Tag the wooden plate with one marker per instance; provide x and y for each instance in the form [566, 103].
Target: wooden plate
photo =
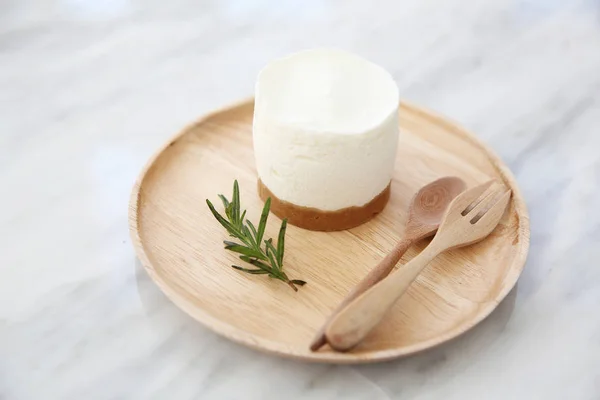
[180, 243]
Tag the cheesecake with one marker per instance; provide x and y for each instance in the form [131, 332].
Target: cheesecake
[325, 133]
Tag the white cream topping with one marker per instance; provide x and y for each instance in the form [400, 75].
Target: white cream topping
[325, 129]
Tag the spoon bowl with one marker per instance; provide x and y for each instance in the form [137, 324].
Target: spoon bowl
[429, 204]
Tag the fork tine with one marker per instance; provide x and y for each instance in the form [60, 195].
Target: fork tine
[463, 200]
[492, 216]
[483, 203]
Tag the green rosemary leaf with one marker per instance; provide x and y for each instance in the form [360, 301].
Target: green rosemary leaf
[252, 229]
[229, 211]
[236, 201]
[251, 271]
[298, 282]
[227, 225]
[238, 248]
[271, 254]
[224, 200]
[281, 243]
[246, 259]
[256, 263]
[248, 235]
[218, 216]
[262, 225]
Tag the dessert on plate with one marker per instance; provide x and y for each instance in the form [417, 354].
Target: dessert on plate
[325, 133]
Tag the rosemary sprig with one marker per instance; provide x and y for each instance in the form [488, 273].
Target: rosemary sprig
[268, 261]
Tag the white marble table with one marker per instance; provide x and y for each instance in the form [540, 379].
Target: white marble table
[89, 89]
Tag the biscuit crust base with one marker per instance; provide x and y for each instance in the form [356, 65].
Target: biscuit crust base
[318, 220]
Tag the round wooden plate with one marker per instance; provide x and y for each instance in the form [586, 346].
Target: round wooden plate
[180, 243]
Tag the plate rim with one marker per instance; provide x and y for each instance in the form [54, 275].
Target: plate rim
[239, 336]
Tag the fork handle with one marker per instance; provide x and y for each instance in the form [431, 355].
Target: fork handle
[355, 321]
[376, 274]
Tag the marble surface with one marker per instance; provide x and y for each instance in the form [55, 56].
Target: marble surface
[89, 89]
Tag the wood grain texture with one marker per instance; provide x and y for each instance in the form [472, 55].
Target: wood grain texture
[425, 213]
[457, 229]
[180, 244]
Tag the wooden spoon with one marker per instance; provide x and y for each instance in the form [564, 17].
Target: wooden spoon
[470, 217]
[424, 215]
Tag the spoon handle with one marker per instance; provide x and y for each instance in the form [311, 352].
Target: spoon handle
[375, 275]
[355, 321]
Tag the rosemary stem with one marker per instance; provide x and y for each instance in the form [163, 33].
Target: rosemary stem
[269, 260]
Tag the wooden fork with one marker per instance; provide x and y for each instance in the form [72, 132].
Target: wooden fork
[470, 217]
